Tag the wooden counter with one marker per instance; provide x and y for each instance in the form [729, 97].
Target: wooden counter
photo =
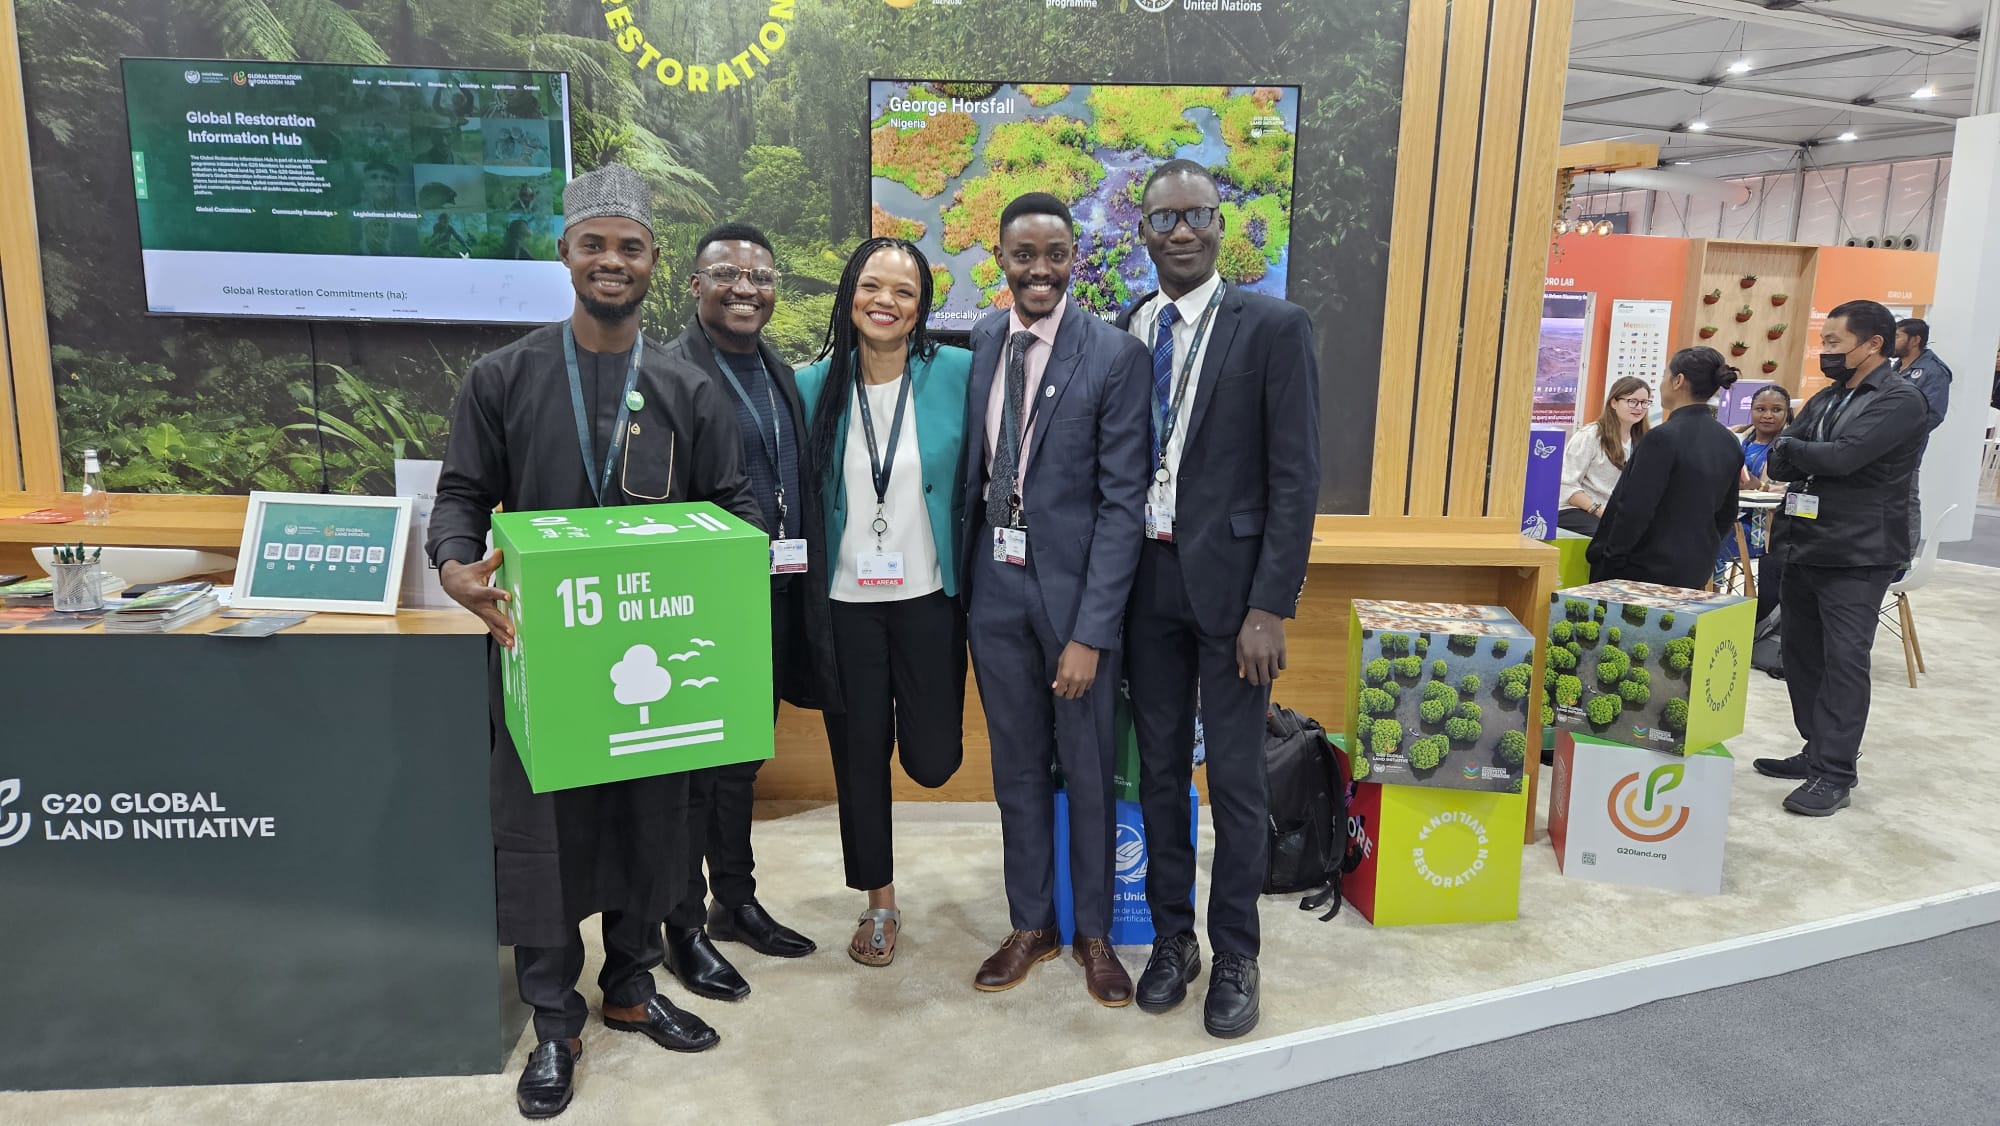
[212, 523]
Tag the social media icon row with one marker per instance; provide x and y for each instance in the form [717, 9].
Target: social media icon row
[324, 553]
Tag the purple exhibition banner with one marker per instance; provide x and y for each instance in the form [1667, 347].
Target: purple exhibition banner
[1540, 502]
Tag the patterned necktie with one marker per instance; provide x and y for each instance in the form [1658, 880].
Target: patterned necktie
[1007, 452]
[1163, 372]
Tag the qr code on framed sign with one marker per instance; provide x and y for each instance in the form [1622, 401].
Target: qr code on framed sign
[1590, 858]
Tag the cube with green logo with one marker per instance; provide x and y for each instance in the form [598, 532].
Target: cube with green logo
[1649, 666]
[642, 641]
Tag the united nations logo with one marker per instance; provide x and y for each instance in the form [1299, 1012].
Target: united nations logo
[1130, 855]
[193, 77]
[1154, 6]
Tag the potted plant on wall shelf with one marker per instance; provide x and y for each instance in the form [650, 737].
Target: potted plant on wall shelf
[1743, 314]
[1769, 366]
[1780, 298]
[1706, 331]
[1738, 348]
[1711, 297]
[1747, 281]
[1774, 332]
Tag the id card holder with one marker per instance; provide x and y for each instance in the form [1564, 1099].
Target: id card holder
[1160, 521]
[1805, 506]
[1010, 545]
[879, 568]
[788, 557]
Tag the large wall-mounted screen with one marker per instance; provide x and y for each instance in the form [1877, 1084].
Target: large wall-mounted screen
[329, 191]
[947, 157]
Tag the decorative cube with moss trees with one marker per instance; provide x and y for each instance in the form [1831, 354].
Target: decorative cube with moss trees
[1440, 695]
[1649, 666]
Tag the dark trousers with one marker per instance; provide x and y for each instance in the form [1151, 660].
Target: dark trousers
[1168, 657]
[1569, 520]
[722, 798]
[902, 672]
[1771, 574]
[547, 975]
[1828, 631]
[1014, 655]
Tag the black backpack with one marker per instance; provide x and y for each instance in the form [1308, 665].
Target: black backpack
[1308, 785]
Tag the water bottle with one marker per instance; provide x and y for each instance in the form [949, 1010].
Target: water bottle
[96, 502]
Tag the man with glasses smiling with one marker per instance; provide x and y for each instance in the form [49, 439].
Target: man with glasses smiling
[735, 286]
[1229, 517]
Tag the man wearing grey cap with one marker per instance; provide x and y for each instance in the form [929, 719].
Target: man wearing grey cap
[582, 413]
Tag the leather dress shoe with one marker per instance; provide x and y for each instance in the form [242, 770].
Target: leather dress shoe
[1176, 961]
[754, 927]
[697, 964]
[549, 1081]
[1232, 997]
[1009, 965]
[674, 1029]
[1103, 974]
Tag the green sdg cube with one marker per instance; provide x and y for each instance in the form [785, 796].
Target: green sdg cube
[1649, 666]
[1438, 695]
[642, 641]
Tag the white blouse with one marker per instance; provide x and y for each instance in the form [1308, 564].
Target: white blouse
[1587, 470]
[909, 521]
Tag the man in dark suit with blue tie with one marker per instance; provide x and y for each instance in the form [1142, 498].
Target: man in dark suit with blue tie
[1055, 483]
[1233, 487]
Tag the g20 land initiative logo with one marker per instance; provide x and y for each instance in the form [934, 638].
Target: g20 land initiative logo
[1130, 855]
[13, 826]
[1638, 812]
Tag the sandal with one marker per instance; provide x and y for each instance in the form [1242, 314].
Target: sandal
[880, 952]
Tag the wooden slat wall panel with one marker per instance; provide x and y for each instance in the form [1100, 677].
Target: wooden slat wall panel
[1535, 191]
[27, 332]
[1416, 148]
[1493, 210]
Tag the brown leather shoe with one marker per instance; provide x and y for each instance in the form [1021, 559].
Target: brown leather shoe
[1103, 974]
[1010, 964]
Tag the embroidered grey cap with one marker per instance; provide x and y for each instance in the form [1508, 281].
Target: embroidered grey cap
[613, 190]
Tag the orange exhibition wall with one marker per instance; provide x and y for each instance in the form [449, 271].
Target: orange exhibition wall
[1644, 267]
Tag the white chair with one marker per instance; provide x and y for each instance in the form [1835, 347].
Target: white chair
[1902, 623]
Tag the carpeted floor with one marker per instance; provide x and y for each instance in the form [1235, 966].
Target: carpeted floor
[825, 1041]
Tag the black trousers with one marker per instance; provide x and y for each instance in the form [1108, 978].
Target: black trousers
[1014, 654]
[1168, 656]
[722, 798]
[547, 975]
[1569, 520]
[1829, 629]
[902, 671]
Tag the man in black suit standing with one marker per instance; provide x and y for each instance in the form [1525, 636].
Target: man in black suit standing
[1229, 517]
[1055, 481]
[734, 283]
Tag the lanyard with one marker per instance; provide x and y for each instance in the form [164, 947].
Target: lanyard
[584, 442]
[1163, 429]
[1827, 420]
[880, 465]
[773, 449]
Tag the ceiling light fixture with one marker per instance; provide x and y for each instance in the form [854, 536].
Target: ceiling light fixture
[1604, 226]
[1850, 135]
[1924, 92]
[1740, 66]
[1697, 126]
[1562, 226]
[1683, 162]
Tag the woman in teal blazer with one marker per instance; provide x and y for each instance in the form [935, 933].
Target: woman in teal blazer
[885, 411]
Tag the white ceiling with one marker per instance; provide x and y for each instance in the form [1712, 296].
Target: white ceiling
[1643, 70]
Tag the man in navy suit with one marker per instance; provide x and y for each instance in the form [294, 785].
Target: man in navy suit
[1055, 484]
[1233, 486]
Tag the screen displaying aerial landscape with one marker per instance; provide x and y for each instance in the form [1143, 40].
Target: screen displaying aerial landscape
[946, 157]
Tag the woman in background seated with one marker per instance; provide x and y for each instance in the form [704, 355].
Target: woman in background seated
[1677, 496]
[885, 411]
[1770, 413]
[1596, 455]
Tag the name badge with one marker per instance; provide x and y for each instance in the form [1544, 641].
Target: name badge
[1010, 545]
[788, 557]
[1805, 506]
[1160, 520]
[880, 568]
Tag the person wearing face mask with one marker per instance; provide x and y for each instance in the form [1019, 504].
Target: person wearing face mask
[1849, 459]
[1677, 497]
[1596, 454]
[885, 412]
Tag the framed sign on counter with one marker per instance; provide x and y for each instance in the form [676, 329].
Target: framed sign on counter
[306, 551]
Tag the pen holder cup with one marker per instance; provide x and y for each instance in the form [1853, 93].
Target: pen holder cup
[78, 586]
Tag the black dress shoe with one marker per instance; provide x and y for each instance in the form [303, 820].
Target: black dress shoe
[1232, 997]
[1176, 961]
[676, 1030]
[695, 961]
[548, 1082]
[754, 927]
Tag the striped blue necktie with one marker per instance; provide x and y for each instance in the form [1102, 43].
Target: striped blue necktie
[1163, 372]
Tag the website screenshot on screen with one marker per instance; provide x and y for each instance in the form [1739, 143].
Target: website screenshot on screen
[349, 192]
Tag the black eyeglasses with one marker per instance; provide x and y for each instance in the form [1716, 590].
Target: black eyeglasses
[723, 273]
[1163, 220]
